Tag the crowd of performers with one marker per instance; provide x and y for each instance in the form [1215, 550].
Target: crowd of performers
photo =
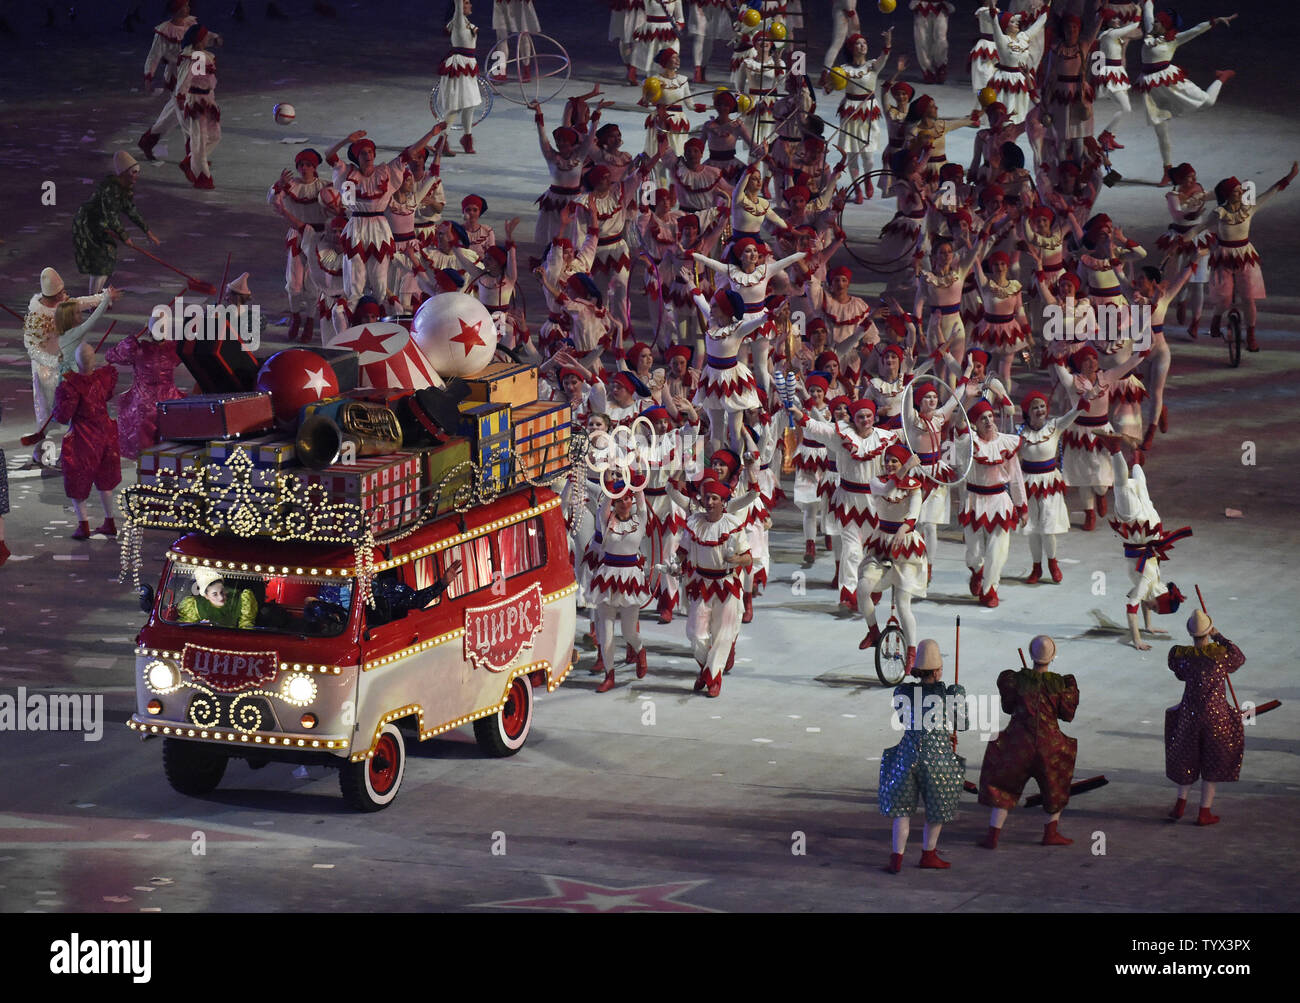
[1000, 368]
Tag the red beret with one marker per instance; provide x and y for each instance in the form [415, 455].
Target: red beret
[841, 399]
[826, 357]
[899, 452]
[817, 381]
[979, 355]
[498, 254]
[980, 407]
[470, 200]
[894, 349]
[728, 457]
[842, 272]
[685, 351]
[862, 404]
[921, 389]
[713, 486]
[564, 134]
[1032, 396]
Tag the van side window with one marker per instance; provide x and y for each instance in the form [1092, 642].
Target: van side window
[522, 547]
[477, 566]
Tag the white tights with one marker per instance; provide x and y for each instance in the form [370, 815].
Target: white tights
[1042, 545]
[903, 828]
[105, 499]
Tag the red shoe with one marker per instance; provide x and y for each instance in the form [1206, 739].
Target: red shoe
[910, 658]
[976, 580]
[184, 165]
[665, 610]
[82, 531]
[873, 635]
[1163, 421]
[1090, 521]
[1206, 817]
[1055, 570]
[1053, 838]
[608, 684]
[1224, 75]
[931, 859]
[699, 75]
[875, 598]
[859, 196]
[848, 600]
[748, 615]
[715, 686]
[1149, 439]
[1140, 457]
[702, 680]
[1108, 143]
[1176, 812]
[107, 528]
[599, 667]
[1191, 331]
[1103, 506]
[294, 326]
[990, 840]
[1165, 180]
[895, 863]
[629, 656]
[809, 550]
[731, 661]
[941, 74]
[990, 599]
[641, 667]
[467, 143]
[147, 142]
[830, 546]
[631, 75]
[4, 553]
[1251, 344]
[1035, 574]
[1180, 312]
[204, 181]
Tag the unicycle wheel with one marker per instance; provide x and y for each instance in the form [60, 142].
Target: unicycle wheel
[891, 655]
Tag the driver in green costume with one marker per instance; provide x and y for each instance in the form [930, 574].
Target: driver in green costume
[211, 603]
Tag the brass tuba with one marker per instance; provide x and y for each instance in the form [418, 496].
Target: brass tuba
[371, 429]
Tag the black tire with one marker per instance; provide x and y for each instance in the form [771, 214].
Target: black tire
[1233, 337]
[504, 733]
[192, 768]
[891, 655]
[372, 784]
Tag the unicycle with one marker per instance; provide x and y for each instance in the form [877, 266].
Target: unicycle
[1232, 335]
[891, 651]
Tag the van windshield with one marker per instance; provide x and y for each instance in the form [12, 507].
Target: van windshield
[246, 600]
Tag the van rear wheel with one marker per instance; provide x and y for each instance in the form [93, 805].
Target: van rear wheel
[372, 784]
[504, 733]
[192, 768]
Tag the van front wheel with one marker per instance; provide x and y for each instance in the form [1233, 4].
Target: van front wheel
[192, 768]
[504, 733]
[372, 784]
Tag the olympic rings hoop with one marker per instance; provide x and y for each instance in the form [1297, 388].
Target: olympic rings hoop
[909, 411]
[528, 67]
[480, 111]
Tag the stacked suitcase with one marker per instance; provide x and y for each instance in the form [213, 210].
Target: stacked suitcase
[504, 431]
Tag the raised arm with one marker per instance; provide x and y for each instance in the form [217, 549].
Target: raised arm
[708, 262]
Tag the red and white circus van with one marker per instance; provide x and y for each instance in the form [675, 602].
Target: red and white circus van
[321, 678]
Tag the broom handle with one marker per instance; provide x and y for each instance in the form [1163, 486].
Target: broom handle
[1023, 663]
[11, 313]
[1226, 679]
[112, 324]
[956, 675]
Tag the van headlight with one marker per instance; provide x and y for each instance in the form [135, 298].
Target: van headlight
[161, 677]
[299, 689]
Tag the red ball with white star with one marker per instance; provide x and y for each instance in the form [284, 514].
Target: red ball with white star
[294, 378]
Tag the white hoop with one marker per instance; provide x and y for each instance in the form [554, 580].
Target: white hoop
[909, 410]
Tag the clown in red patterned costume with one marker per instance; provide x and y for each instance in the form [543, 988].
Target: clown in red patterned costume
[1047, 517]
[90, 449]
[748, 270]
[299, 201]
[1032, 745]
[1204, 738]
[995, 502]
[1164, 87]
[895, 553]
[1146, 545]
[727, 389]
[165, 55]
[196, 84]
[713, 551]
[366, 188]
[858, 452]
[618, 586]
[1235, 275]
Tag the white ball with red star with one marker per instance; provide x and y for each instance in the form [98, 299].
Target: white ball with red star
[456, 334]
[294, 378]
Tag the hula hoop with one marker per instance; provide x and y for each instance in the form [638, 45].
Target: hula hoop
[909, 410]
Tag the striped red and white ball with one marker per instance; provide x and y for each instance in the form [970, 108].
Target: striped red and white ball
[284, 113]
